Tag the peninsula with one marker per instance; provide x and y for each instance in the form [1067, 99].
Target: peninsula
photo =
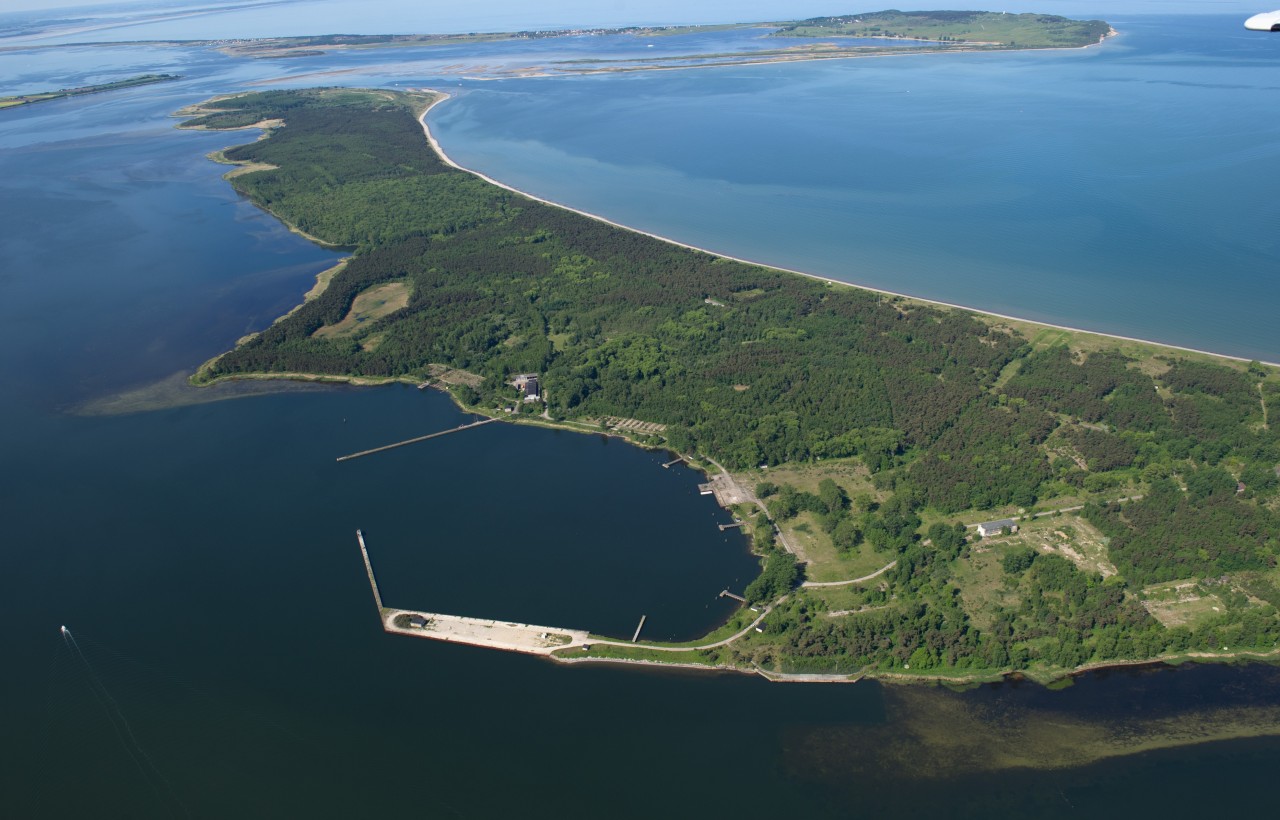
[45, 96]
[934, 492]
[820, 38]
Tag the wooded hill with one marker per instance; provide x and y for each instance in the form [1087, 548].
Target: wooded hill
[751, 365]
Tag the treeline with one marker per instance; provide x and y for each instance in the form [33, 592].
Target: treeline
[618, 323]
[751, 366]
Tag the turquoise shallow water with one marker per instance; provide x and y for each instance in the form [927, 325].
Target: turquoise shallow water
[204, 556]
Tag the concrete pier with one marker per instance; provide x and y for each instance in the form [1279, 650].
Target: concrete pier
[368, 567]
[639, 627]
[490, 634]
[458, 429]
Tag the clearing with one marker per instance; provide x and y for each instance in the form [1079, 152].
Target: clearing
[984, 585]
[1180, 603]
[824, 561]
[368, 306]
[1071, 537]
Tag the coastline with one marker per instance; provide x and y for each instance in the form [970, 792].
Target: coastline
[443, 96]
[243, 167]
[1045, 676]
[726, 61]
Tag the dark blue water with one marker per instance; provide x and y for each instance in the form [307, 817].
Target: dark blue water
[227, 659]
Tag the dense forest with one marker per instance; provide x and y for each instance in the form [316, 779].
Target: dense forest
[754, 366]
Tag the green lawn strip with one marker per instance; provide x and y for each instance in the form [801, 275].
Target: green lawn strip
[638, 653]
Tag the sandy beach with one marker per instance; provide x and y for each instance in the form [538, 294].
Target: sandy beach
[443, 96]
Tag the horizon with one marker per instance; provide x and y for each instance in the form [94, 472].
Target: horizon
[586, 11]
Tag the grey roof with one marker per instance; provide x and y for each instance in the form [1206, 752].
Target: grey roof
[999, 525]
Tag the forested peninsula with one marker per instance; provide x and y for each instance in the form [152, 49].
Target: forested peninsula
[874, 431]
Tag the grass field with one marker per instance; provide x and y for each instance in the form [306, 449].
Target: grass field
[982, 584]
[1071, 537]
[368, 307]
[1180, 603]
[825, 562]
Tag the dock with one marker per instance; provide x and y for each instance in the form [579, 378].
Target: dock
[727, 492]
[368, 567]
[485, 632]
[732, 526]
[407, 442]
[639, 627]
[488, 633]
[724, 593]
[673, 463]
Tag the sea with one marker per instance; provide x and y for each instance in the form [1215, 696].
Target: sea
[222, 655]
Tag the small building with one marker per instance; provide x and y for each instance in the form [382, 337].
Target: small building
[527, 384]
[990, 528]
[417, 622]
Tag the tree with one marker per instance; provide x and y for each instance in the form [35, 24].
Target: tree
[832, 496]
[779, 576]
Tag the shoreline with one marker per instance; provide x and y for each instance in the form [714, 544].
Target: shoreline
[443, 96]
[1044, 678]
[736, 61]
[1047, 676]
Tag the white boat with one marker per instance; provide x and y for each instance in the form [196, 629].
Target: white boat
[1267, 21]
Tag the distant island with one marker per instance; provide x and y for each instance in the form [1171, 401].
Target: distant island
[819, 38]
[934, 493]
[45, 96]
[986, 28]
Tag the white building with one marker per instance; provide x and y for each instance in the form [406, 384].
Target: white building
[991, 528]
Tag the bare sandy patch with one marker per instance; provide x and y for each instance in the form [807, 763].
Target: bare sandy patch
[1180, 603]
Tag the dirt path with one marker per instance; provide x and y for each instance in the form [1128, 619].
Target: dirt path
[750, 496]
[1076, 508]
[875, 574]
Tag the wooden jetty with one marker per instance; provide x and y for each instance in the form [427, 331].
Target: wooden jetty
[639, 627]
[671, 463]
[457, 429]
[734, 525]
[724, 593]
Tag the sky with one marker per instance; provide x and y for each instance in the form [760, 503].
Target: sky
[714, 10]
